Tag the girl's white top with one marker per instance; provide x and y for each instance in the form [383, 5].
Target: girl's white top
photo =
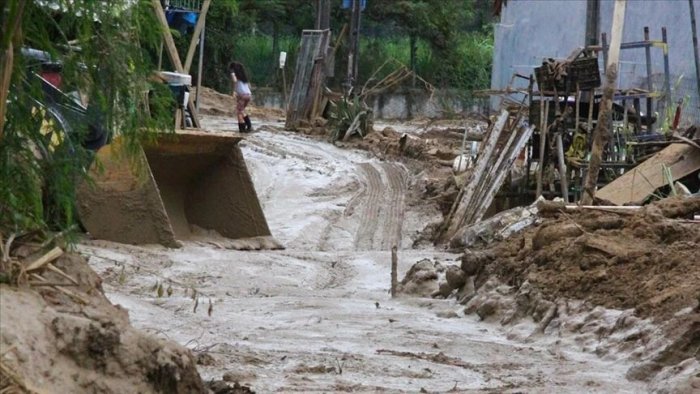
[242, 88]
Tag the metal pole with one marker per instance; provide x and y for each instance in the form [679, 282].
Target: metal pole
[693, 27]
[592, 22]
[667, 72]
[199, 68]
[650, 86]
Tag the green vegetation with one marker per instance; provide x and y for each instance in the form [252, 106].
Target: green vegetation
[106, 52]
[453, 40]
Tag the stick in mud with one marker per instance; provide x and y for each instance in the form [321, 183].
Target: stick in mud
[394, 264]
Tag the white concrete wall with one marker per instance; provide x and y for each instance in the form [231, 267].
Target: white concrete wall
[531, 30]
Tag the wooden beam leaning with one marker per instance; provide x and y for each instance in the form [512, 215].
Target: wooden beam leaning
[171, 50]
[170, 47]
[195, 36]
[508, 156]
[601, 134]
[456, 221]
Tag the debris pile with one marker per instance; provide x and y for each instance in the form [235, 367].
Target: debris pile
[645, 259]
[623, 279]
[59, 333]
[503, 142]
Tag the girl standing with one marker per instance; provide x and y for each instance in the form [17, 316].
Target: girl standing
[241, 89]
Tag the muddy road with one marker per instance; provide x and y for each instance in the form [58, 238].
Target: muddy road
[317, 316]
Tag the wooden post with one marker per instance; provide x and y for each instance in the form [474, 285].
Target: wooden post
[650, 86]
[323, 14]
[200, 67]
[543, 144]
[394, 269]
[601, 135]
[694, 31]
[197, 35]
[174, 57]
[562, 169]
[354, 46]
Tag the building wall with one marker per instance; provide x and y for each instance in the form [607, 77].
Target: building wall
[531, 30]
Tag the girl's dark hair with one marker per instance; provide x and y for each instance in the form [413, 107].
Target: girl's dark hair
[239, 70]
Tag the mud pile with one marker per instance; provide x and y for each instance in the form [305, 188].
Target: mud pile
[645, 260]
[623, 284]
[52, 341]
[214, 103]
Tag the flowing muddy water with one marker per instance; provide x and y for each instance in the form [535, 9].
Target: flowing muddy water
[317, 316]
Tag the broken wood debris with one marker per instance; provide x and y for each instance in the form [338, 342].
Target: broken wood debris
[503, 142]
[309, 78]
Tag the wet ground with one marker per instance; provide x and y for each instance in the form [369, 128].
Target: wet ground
[317, 316]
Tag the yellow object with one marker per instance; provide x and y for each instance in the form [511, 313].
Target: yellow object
[577, 149]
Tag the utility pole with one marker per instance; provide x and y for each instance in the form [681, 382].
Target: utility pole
[323, 14]
[695, 44]
[354, 47]
[601, 134]
[592, 22]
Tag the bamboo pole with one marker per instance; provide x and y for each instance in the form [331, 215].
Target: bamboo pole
[601, 135]
[563, 175]
[9, 38]
[543, 144]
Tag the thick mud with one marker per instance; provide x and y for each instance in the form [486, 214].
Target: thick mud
[56, 343]
[646, 260]
[318, 315]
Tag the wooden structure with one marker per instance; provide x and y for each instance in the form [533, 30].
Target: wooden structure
[504, 141]
[642, 181]
[309, 78]
[200, 7]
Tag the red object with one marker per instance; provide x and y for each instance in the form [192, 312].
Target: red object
[676, 118]
[53, 77]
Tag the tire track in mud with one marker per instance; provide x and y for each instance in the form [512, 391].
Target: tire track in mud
[383, 209]
[396, 206]
[364, 239]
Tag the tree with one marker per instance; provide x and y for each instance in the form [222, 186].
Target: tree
[437, 22]
[106, 50]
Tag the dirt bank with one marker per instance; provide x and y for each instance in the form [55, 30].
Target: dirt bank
[645, 260]
[624, 285]
[55, 343]
[212, 102]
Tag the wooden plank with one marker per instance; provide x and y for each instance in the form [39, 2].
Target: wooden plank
[308, 76]
[456, 221]
[195, 36]
[170, 47]
[44, 259]
[640, 182]
[510, 155]
[563, 175]
[174, 57]
[486, 183]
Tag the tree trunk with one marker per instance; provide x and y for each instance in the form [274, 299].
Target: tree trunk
[601, 134]
[10, 37]
[6, 62]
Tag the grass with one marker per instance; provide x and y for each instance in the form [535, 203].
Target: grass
[470, 68]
